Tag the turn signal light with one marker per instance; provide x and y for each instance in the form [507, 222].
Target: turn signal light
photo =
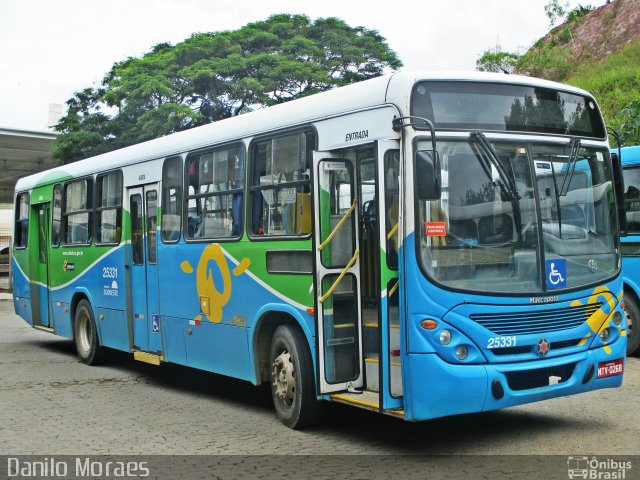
[429, 324]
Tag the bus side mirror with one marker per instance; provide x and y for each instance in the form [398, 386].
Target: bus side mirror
[427, 170]
[618, 187]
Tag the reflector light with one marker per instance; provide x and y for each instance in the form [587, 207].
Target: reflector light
[429, 324]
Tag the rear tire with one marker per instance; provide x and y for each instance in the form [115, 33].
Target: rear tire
[85, 335]
[292, 380]
[632, 314]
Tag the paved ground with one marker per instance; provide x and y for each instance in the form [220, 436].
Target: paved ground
[52, 405]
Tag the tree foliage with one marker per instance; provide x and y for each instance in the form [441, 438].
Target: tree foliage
[499, 62]
[555, 11]
[211, 76]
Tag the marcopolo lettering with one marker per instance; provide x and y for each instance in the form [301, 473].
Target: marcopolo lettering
[351, 136]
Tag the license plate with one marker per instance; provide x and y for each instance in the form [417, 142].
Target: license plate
[608, 369]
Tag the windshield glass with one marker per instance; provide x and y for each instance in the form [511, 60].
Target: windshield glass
[507, 225]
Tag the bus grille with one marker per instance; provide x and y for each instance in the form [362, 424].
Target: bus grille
[537, 321]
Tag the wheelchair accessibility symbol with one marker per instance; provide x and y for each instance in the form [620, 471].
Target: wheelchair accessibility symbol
[556, 271]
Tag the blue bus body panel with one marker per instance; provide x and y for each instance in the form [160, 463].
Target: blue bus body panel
[631, 265]
[21, 292]
[219, 317]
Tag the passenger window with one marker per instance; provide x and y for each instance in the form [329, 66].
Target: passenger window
[280, 193]
[76, 215]
[21, 233]
[56, 215]
[109, 208]
[214, 201]
[171, 199]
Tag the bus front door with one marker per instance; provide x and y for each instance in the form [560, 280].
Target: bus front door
[387, 215]
[337, 274]
[143, 208]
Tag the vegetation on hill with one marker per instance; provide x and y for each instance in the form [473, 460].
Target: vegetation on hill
[594, 49]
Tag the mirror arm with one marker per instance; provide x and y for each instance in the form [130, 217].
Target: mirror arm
[398, 124]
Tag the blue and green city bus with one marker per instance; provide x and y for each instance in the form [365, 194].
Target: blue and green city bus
[630, 158]
[418, 245]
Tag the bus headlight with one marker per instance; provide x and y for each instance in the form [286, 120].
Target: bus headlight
[617, 318]
[445, 337]
[604, 335]
[461, 352]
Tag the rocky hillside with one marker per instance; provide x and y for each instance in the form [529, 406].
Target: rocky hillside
[598, 50]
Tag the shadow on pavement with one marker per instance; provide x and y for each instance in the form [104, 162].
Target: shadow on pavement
[439, 436]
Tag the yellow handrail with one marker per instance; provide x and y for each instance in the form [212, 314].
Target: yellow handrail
[392, 232]
[393, 289]
[339, 225]
[341, 276]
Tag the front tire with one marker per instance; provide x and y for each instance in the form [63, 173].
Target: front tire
[632, 314]
[292, 381]
[85, 335]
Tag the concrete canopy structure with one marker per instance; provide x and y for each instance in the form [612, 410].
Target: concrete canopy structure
[22, 152]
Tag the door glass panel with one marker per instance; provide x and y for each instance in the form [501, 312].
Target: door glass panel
[136, 230]
[393, 316]
[337, 217]
[152, 224]
[340, 327]
[42, 239]
[392, 203]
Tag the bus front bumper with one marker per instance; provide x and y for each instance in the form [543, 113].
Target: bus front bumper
[440, 389]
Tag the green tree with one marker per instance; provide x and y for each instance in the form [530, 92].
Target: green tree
[211, 76]
[555, 11]
[499, 62]
[629, 118]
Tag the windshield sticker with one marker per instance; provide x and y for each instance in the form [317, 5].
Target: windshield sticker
[556, 273]
[435, 229]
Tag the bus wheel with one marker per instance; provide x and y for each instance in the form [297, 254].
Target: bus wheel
[632, 313]
[292, 382]
[86, 335]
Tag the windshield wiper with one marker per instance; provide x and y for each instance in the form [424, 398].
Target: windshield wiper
[571, 166]
[488, 157]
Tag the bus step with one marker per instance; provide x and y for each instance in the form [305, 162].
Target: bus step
[147, 357]
[372, 366]
[44, 329]
[365, 399]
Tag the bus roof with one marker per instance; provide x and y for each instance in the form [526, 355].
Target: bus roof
[389, 89]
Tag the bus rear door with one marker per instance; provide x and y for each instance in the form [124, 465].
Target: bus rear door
[143, 207]
[40, 290]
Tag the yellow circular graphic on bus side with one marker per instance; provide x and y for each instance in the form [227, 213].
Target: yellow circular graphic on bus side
[204, 280]
[212, 300]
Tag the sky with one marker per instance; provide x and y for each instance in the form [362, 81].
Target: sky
[51, 49]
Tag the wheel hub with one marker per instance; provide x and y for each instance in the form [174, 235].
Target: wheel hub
[283, 377]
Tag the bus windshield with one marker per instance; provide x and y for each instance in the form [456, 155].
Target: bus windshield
[491, 233]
